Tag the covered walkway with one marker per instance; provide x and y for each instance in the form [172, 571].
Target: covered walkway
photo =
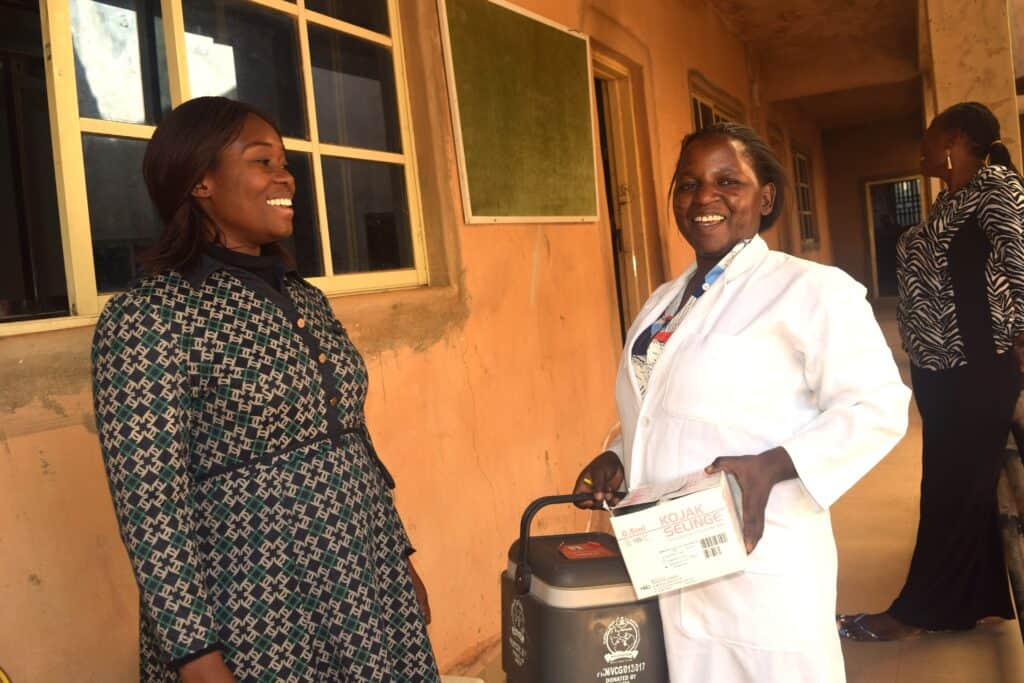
[875, 524]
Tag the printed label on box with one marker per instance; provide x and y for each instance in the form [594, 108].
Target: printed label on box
[691, 535]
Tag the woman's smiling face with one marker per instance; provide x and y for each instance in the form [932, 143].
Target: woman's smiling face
[718, 200]
[248, 195]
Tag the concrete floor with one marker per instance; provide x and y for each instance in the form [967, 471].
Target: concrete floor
[875, 524]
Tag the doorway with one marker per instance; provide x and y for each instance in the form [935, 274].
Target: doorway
[632, 231]
[893, 205]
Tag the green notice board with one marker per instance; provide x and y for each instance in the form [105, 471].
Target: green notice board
[521, 102]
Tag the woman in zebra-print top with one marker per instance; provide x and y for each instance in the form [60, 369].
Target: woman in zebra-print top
[961, 304]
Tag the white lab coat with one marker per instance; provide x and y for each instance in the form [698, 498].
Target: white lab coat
[778, 352]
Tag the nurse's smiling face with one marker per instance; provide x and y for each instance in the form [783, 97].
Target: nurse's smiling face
[718, 200]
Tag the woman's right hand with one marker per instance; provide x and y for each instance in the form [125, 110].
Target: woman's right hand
[602, 477]
[210, 668]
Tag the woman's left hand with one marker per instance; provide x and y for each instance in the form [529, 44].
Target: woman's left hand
[421, 591]
[756, 475]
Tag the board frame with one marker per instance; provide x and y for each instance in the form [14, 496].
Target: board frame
[471, 217]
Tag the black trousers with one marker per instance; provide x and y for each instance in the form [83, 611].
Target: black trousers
[957, 574]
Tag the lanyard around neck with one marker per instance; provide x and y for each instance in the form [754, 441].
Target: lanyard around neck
[712, 275]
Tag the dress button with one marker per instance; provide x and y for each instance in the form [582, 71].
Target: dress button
[300, 323]
[333, 401]
[322, 358]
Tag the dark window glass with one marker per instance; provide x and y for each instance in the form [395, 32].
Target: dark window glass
[696, 114]
[249, 53]
[32, 283]
[354, 87]
[371, 14]
[123, 220]
[368, 215]
[120, 62]
[304, 244]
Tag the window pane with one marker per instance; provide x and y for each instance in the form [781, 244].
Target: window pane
[368, 215]
[371, 14]
[120, 64]
[801, 170]
[248, 53]
[121, 215]
[354, 85]
[696, 113]
[706, 115]
[304, 244]
[32, 281]
[805, 198]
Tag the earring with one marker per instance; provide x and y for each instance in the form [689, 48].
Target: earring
[949, 161]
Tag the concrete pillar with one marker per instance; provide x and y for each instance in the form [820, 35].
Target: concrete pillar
[971, 58]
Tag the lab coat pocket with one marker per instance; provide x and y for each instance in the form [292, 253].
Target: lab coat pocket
[729, 379]
[763, 611]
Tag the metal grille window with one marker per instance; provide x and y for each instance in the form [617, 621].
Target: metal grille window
[329, 72]
[706, 113]
[907, 201]
[805, 200]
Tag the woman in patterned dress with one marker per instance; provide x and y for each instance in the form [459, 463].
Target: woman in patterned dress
[961, 289]
[258, 519]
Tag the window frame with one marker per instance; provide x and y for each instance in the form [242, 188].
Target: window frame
[718, 113]
[813, 239]
[67, 128]
[723, 106]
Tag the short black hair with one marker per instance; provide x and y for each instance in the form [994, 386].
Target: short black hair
[762, 158]
[981, 127]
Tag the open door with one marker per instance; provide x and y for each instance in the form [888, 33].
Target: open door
[627, 187]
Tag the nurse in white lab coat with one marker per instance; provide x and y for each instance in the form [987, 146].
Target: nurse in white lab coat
[774, 369]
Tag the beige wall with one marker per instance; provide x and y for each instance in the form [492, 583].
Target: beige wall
[803, 135]
[486, 391]
[855, 155]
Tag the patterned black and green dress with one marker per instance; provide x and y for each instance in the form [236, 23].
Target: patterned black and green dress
[257, 515]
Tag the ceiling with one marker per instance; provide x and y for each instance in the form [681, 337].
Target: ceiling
[841, 61]
[789, 27]
[858, 106]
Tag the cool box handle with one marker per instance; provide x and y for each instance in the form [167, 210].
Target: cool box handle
[523, 573]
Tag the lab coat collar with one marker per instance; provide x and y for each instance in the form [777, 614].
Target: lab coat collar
[749, 257]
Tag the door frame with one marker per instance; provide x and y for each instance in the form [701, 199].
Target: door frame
[640, 263]
[869, 211]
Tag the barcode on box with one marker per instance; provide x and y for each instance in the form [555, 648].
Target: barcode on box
[710, 545]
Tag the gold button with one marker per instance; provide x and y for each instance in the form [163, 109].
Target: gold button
[300, 323]
[333, 401]
[322, 358]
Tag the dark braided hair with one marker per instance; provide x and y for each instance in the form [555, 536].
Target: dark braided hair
[761, 157]
[980, 125]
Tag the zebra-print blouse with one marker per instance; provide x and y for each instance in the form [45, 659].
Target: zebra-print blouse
[937, 309]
